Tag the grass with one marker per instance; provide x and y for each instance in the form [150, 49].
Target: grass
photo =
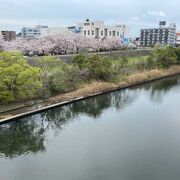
[131, 60]
[85, 90]
[150, 74]
[99, 86]
[137, 59]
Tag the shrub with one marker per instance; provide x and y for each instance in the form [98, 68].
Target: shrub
[79, 61]
[177, 52]
[99, 67]
[66, 79]
[164, 56]
[18, 80]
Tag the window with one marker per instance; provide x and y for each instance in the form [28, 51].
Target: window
[86, 24]
[105, 32]
[88, 32]
[117, 33]
[101, 33]
[109, 33]
[85, 33]
[92, 32]
[114, 33]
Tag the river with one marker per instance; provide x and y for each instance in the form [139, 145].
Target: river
[131, 134]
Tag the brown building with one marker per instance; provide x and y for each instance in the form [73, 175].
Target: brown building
[8, 35]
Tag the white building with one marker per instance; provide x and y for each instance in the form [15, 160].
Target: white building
[54, 31]
[92, 29]
[98, 29]
[32, 32]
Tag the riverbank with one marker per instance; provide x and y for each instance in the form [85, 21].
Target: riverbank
[92, 89]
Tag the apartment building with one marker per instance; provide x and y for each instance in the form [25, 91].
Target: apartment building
[98, 29]
[32, 32]
[163, 35]
[8, 35]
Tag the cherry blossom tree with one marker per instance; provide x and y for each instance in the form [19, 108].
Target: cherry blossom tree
[1, 43]
[60, 44]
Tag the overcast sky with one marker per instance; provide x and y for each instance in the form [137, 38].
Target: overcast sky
[135, 13]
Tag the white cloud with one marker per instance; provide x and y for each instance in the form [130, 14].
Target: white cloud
[156, 13]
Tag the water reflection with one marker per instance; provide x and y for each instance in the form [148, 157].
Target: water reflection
[158, 89]
[28, 135]
[20, 137]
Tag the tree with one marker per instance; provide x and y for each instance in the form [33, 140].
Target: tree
[18, 80]
[79, 60]
[177, 51]
[49, 68]
[99, 67]
[1, 43]
[61, 44]
[164, 56]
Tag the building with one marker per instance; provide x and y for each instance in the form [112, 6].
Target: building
[29, 32]
[54, 31]
[41, 26]
[92, 29]
[75, 29]
[32, 32]
[8, 35]
[98, 29]
[178, 39]
[162, 35]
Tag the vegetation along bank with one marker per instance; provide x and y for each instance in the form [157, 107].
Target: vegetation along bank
[50, 80]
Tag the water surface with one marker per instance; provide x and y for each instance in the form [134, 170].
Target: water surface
[132, 134]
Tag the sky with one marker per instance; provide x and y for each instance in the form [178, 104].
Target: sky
[136, 14]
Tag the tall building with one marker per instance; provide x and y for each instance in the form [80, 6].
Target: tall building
[8, 35]
[178, 39]
[32, 32]
[163, 35]
[98, 29]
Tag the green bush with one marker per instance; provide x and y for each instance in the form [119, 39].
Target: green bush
[177, 52]
[67, 78]
[99, 67]
[79, 60]
[164, 56]
[18, 80]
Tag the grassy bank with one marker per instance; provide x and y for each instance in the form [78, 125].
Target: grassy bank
[99, 86]
[53, 80]
[94, 87]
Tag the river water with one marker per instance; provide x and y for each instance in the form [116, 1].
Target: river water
[131, 134]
